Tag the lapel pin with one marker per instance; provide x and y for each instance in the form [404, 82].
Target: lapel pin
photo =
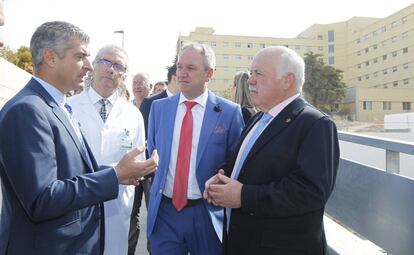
[288, 120]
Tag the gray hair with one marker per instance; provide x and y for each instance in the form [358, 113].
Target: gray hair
[242, 95]
[206, 52]
[291, 62]
[54, 35]
[110, 47]
[145, 75]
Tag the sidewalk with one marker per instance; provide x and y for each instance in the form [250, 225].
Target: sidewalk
[142, 241]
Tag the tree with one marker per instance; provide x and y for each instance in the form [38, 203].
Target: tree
[21, 58]
[24, 59]
[323, 84]
[8, 54]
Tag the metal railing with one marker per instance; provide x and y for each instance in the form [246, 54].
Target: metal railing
[377, 205]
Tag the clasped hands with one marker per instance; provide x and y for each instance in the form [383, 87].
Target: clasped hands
[130, 170]
[223, 191]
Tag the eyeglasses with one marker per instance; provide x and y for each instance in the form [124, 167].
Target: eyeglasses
[117, 67]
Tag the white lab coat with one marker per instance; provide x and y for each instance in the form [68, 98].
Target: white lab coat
[109, 141]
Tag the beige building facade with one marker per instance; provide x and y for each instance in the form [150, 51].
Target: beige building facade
[376, 55]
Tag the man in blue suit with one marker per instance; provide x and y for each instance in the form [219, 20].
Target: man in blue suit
[52, 187]
[179, 220]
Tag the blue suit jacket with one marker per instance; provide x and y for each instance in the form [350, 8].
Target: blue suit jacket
[51, 193]
[220, 131]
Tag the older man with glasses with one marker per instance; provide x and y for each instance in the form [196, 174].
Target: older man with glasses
[112, 127]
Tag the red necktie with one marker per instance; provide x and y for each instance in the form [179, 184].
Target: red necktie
[183, 159]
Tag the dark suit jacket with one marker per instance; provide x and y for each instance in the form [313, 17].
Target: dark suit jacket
[287, 179]
[248, 113]
[146, 107]
[51, 193]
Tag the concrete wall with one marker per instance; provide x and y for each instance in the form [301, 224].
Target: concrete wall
[12, 79]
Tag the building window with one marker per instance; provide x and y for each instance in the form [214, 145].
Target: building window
[404, 35]
[366, 63]
[375, 74]
[358, 40]
[359, 66]
[331, 48]
[226, 69]
[384, 57]
[331, 60]
[365, 37]
[320, 37]
[237, 44]
[226, 81]
[384, 29]
[404, 19]
[297, 47]
[262, 45]
[250, 57]
[394, 39]
[250, 45]
[320, 48]
[384, 72]
[384, 43]
[366, 50]
[331, 36]
[213, 44]
[367, 105]
[375, 46]
[367, 77]
[375, 33]
[405, 66]
[394, 69]
[225, 44]
[385, 86]
[406, 81]
[406, 106]
[395, 83]
[359, 78]
[394, 53]
[320, 60]
[393, 24]
[405, 50]
[358, 53]
[386, 106]
[237, 57]
[375, 60]
[226, 56]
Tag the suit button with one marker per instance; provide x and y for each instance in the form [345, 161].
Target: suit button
[251, 214]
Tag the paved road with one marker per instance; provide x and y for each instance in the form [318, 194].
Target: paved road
[142, 241]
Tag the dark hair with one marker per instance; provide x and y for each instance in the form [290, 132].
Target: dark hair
[171, 71]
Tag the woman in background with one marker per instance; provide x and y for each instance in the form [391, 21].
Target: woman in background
[241, 95]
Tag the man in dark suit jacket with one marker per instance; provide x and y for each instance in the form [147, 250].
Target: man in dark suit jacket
[276, 189]
[52, 187]
[145, 185]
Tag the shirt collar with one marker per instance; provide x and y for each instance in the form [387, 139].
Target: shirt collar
[278, 108]
[201, 99]
[169, 93]
[56, 94]
[95, 97]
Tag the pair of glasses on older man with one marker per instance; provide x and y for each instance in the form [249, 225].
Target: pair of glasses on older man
[117, 67]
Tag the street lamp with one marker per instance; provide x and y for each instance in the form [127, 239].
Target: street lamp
[120, 32]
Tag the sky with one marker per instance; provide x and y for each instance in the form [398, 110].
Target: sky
[151, 28]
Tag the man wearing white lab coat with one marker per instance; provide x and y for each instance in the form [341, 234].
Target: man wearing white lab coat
[112, 127]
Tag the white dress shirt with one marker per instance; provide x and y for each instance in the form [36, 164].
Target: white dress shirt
[198, 116]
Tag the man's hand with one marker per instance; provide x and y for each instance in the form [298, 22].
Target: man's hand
[129, 169]
[223, 191]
